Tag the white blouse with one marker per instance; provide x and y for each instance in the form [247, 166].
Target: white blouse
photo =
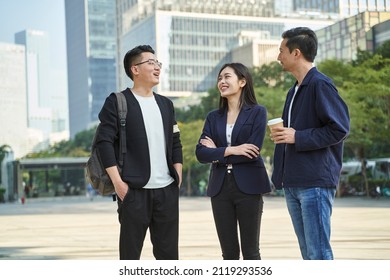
[229, 130]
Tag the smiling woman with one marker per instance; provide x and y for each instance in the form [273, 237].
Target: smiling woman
[231, 141]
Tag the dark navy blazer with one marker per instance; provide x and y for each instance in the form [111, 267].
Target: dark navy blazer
[250, 127]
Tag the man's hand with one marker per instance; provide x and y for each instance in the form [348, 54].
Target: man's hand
[120, 186]
[281, 135]
[121, 189]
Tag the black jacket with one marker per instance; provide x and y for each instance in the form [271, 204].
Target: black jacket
[136, 167]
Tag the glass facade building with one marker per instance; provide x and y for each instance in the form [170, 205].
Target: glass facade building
[381, 33]
[342, 39]
[344, 8]
[193, 46]
[38, 82]
[91, 58]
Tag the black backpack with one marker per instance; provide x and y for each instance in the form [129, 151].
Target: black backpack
[94, 171]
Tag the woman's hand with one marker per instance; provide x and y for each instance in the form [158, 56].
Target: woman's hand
[248, 150]
[207, 142]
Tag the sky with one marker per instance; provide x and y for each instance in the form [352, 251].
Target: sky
[43, 15]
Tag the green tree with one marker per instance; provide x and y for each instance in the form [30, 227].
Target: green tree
[83, 139]
[199, 112]
[189, 135]
[80, 146]
[384, 49]
[273, 100]
[361, 56]
[4, 150]
[272, 75]
[338, 71]
[369, 99]
[365, 86]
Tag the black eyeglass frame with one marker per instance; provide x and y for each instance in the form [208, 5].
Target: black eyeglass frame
[155, 62]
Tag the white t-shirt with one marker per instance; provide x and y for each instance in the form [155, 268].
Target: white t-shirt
[159, 172]
[290, 107]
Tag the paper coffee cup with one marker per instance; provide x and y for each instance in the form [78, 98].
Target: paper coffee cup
[277, 122]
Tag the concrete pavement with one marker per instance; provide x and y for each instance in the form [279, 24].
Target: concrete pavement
[79, 229]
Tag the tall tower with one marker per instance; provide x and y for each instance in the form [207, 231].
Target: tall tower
[91, 55]
[13, 116]
[38, 82]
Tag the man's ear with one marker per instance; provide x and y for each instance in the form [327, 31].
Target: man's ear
[297, 52]
[134, 70]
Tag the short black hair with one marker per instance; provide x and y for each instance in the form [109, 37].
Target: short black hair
[304, 39]
[132, 55]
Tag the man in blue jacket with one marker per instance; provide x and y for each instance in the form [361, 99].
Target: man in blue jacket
[309, 148]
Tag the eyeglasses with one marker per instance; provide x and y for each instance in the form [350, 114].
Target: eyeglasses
[150, 62]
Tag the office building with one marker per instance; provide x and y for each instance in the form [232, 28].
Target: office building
[37, 79]
[381, 33]
[342, 39]
[46, 113]
[193, 39]
[332, 9]
[13, 113]
[255, 51]
[91, 54]
[343, 8]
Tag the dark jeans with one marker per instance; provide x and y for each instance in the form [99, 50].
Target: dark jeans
[232, 207]
[156, 209]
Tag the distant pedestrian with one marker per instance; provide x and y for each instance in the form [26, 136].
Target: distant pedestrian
[26, 190]
[91, 192]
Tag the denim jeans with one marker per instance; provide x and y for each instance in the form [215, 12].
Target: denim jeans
[310, 211]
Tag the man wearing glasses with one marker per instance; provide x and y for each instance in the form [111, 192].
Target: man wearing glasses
[148, 186]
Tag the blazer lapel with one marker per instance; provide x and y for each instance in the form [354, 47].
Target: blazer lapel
[165, 120]
[131, 98]
[241, 120]
[221, 129]
[134, 111]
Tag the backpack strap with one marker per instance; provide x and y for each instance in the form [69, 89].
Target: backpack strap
[122, 112]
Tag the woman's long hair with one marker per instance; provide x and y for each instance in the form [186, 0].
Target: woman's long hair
[248, 96]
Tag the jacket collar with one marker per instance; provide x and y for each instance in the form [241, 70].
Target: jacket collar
[240, 121]
[309, 75]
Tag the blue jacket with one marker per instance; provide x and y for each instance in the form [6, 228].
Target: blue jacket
[321, 120]
[250, 174]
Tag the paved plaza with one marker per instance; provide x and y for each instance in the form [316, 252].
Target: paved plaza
[75, 228]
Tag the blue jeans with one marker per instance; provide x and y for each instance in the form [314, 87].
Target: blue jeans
[310, 210]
